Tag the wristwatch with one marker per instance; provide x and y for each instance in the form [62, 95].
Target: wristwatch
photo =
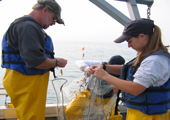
[104, 65]
[57, 62]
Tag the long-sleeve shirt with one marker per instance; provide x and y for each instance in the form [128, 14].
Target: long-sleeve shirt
[83, 65]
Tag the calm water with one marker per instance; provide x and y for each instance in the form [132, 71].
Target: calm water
[72, 51]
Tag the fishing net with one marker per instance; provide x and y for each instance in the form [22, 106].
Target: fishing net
[60, 98]
[65, 93]
[73, 88]
[91, 99]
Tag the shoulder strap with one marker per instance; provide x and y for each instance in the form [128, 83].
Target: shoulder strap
[125, 68]
[123, 76]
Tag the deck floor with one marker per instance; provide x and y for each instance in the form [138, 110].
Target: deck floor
[52, 115]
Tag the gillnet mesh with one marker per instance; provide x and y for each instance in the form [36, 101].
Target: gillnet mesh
[60, 110]
[94, 100]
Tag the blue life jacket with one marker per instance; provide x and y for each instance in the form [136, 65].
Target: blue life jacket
[11, 59]
[154, 100]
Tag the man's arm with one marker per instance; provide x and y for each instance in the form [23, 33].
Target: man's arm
[51, 63]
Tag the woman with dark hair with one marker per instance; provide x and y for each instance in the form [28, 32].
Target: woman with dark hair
[146, 79]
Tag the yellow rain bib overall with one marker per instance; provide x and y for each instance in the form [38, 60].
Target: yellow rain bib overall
[133, 114]
[78, 106]
[27, 93]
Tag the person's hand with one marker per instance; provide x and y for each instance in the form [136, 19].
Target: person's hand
[88, 72]
[115, 90]
[98, 71]
[62, 61]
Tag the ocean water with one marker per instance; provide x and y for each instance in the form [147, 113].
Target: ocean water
[72, 51]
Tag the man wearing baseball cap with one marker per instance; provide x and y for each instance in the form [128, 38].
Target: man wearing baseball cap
[53, 6]
[28, 56]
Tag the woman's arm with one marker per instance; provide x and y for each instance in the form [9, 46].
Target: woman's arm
[114, 69]
[126, 86]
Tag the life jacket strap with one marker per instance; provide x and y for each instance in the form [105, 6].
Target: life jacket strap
[145, 104]
[117, 103]
[157, 90]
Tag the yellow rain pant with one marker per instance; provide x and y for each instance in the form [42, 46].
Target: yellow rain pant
[116, 117]
[78, 106]
[133, 114]
[75, 109]
[27, 93]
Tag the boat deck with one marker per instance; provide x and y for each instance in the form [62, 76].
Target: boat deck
[51, 112]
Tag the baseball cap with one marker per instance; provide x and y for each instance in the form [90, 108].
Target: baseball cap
[55, 7]
[136, 27]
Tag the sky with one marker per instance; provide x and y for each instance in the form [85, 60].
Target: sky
[84, 21]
